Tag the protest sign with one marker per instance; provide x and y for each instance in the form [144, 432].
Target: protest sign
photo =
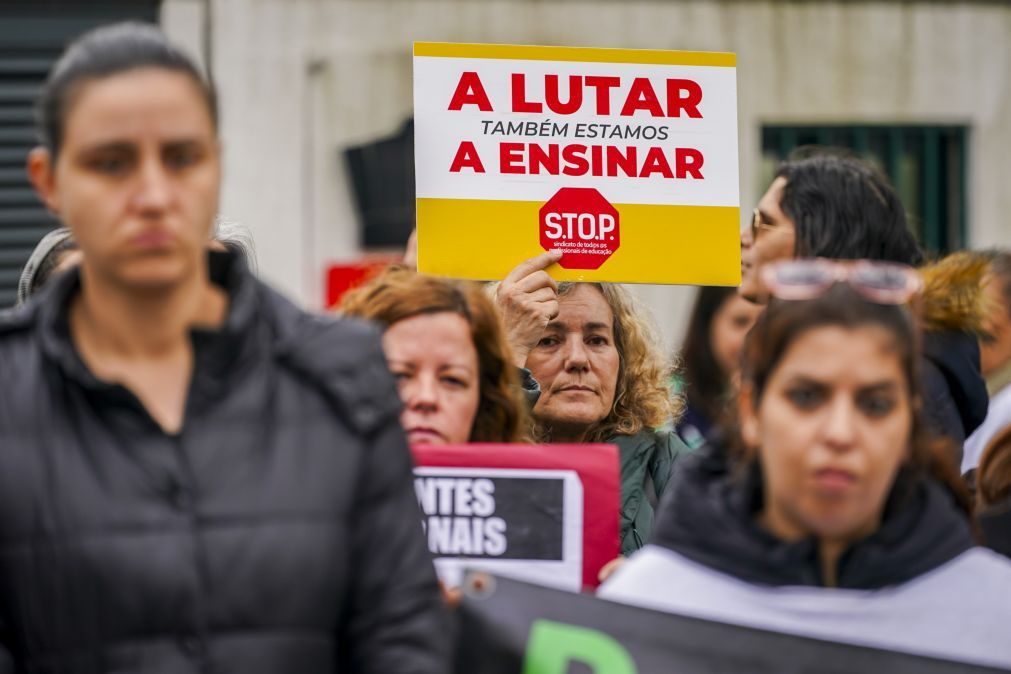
[544, 513]
[510, 627]
[625, 160]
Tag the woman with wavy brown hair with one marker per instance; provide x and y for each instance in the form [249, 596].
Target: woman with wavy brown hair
[594, 362]
[446, 347]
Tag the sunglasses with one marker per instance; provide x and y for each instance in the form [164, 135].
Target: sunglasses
[878, 282]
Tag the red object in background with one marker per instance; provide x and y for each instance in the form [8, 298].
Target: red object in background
[582, 224]
[341, 278]
[596, 465]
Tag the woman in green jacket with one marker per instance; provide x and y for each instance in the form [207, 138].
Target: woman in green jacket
[596, 372]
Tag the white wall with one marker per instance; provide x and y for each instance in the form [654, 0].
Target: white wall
[301, 79]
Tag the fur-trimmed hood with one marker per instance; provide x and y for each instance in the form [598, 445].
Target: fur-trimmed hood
[952, 297]
[952, 310]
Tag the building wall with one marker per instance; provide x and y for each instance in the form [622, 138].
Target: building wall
[302, 79]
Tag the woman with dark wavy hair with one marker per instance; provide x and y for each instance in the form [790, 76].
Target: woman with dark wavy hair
[828, 204]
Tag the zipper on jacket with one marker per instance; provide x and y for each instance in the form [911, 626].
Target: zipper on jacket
[195, 644]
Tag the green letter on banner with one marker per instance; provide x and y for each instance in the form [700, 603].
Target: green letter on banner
[552, 646]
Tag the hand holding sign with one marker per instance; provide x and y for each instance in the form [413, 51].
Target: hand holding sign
[527, 299]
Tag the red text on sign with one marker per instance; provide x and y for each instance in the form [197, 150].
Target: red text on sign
[582, 224]
[676, 97]
[680, 98]
[470, 91]
[466, 157]
[599, 160]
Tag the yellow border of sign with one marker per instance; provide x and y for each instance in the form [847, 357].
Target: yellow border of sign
[584, 54]
[484, 239]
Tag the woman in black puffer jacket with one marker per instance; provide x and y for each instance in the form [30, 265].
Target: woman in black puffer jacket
[833, 513]
[194, 474]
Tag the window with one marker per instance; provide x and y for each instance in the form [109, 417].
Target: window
[927, 165]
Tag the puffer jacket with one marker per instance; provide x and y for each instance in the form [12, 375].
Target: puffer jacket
[916, 585]
[276, 532]
[646, 461]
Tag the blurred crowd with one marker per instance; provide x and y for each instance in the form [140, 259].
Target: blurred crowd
[192, 469]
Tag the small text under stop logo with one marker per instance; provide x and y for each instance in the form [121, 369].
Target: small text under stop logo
[582, 224]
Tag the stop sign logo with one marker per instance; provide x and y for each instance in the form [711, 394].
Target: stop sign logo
[582, 224]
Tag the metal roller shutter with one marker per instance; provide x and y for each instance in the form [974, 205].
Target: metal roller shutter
[32, 35]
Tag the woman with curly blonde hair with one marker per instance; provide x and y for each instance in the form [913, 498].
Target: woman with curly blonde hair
[446, 347]
[593, 359]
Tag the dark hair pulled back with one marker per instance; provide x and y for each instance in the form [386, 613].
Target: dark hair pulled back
[102, 52]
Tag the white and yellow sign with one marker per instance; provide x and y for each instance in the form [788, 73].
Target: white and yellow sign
[626, 160]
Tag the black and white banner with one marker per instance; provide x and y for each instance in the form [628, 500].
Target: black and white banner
[547, 514]
[518, 522]
[511, 627]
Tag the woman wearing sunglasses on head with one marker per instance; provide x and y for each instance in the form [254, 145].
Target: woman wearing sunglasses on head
[831, 514]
